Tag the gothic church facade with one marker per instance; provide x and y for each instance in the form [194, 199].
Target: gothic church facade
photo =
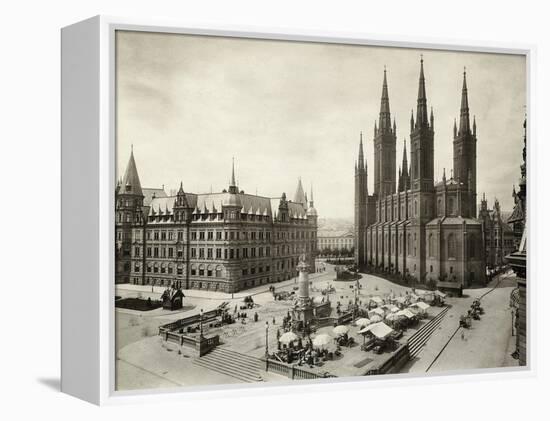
[412, 225]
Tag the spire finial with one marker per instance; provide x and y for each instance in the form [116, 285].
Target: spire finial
[464, 110]
[233, 171]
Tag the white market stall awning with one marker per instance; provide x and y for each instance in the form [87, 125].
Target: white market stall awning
[380, 330]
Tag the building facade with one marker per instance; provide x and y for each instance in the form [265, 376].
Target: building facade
[335, 240]
[226, 241]
[412, 225]
[498, 235]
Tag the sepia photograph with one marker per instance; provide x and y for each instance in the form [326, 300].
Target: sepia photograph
[291, 210]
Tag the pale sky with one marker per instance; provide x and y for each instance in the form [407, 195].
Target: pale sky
[285, 110]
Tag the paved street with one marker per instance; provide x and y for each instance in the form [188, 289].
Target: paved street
[145, 361]
[487, 344]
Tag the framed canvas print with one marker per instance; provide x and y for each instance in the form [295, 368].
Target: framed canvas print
[246, 209]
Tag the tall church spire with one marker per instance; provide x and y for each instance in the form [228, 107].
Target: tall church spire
[385, 117]
[361, 164]
[464, 127]
[421, 105]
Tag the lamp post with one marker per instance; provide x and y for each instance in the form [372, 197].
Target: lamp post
[266, 340]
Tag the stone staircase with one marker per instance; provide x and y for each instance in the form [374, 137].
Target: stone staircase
[233, 364]
[419, 339]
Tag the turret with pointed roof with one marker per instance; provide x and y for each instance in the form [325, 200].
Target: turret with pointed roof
[130, 182]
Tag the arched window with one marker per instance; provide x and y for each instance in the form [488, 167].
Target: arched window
[415, 208]
[451, 205]
[201, 270]
[451, 246]
[431, 245]
[439, 210]
[219, 271]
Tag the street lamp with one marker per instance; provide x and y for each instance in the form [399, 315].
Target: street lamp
[266, 339]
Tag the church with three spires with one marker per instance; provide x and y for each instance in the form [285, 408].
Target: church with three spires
[226, 241]
[412, 225]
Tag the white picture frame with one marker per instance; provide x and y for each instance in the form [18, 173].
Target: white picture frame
[88, 183]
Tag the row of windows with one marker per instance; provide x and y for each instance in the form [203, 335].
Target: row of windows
[451, 248]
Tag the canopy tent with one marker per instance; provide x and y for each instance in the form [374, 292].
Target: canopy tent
[377, 311]
[422, 306]
[405, 313]
[376, 318]
[340, 330]
[381, 330]
[362, 322]
[288, 337]
[390, 307]
[377, 300]
[322, 340]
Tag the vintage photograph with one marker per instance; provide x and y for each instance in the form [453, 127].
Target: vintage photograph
[291, 211]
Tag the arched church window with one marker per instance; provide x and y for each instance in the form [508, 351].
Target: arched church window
[451, 205]
[431, 245]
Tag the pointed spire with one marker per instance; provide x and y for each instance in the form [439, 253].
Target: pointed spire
[311, 195]
[421, 107]
[299, 196]
[130, 182]
[385, 117]
[233, 172]
[464, 127]
[474, 126]
[412, 120]
[361, 162]
[405, 166]
[444, 177]
[432, 117]
[394, 127]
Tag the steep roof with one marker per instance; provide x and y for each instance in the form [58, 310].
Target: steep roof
[130, 182]
[150, 193]
[299, 196]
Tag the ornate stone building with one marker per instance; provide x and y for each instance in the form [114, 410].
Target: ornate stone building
[498, 235]
[226, 241]
[415, 226]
